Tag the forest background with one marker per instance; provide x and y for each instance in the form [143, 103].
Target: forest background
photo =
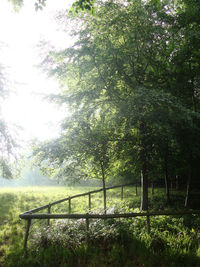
[131, 83]
[129, 89]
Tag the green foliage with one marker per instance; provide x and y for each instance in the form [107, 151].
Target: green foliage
[17, 4]
[77, 6]
[119, 242]
[5, 169]
[82, 5]
[131, 82]
[8, 141]
[40, 4]
[169, 239]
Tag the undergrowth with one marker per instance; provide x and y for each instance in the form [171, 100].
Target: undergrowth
[113, 242]
[173, 240]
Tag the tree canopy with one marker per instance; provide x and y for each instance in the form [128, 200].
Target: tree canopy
[77, 5]
[131, 81]
[8, 144]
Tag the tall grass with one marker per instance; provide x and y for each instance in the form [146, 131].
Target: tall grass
[173, 241]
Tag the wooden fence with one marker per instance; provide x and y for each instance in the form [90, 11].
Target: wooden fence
[89, 194]
[31, 214]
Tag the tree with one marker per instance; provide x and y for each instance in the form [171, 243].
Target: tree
[123, 66]
[77, 6]
[8, 145]
[186, 71]
[85, 149]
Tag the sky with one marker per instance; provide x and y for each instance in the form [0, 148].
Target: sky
[20, 34]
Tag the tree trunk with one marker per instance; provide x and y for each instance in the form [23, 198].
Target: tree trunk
[104, 186]
[167, 188]
[177, 182]
[192, 83]
[171, 185]
[187, 198]
[144, 188]
[144, 169]
[167, 181]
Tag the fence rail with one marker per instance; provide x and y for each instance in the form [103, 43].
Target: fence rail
[31, 214]
[81, 195]
[104, 216]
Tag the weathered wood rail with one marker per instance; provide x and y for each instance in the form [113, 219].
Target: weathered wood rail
[31, 214]
[27, 215]
[48, 206]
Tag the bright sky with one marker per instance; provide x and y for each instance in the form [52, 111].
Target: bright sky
[20, 33]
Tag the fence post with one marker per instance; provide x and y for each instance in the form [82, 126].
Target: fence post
[104, 198]
[69, 205]
[148, 223]
[49, 212]
[89, 195]
[122, 192]
[87, 223]
[87, 227]
[27, 233]
[136, 191]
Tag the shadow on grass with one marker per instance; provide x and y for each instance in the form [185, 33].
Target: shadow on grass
[134, 253]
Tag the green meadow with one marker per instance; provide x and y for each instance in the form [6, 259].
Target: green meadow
[173, 240]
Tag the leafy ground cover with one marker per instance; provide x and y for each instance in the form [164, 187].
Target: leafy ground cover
[173, 241]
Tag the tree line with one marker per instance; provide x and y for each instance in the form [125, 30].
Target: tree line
[131, 83]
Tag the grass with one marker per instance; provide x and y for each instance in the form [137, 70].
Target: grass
[174, 241]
